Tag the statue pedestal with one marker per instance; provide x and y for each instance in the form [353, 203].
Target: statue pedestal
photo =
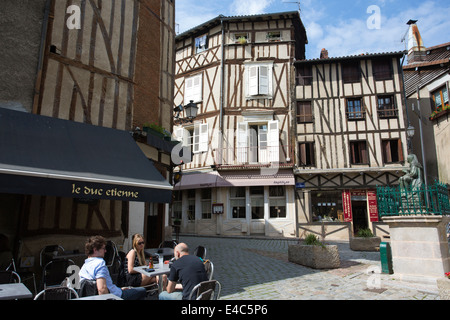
[420, 250]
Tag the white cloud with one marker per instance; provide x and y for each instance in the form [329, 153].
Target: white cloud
[249, 7]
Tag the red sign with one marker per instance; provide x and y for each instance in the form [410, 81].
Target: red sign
[347, 205]
[373, 205]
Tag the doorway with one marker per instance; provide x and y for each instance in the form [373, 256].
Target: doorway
[359, 210]
[154, 230]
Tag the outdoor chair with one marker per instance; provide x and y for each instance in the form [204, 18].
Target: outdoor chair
[57, 293]
[200, 252]
[168, 244]
[9, 276]
[55, 272]
[47, 253]
[201, 290]
[209, 267]
[111, 253]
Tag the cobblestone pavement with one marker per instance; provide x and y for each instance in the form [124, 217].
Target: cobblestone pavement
[258, 269]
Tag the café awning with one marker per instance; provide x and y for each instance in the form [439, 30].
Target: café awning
[49, 156]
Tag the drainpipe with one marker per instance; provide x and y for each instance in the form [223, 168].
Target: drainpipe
[37, 90]
[222, 79]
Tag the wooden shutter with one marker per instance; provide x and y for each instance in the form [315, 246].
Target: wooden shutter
[203, 137]
[197, 89]
[253, 80]
[242, 142]
[264, 80]
[273, 141]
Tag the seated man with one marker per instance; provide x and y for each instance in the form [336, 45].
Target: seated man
[187, 269]
[94, 268]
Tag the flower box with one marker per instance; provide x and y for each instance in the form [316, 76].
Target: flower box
[365, 243]
[314, 256]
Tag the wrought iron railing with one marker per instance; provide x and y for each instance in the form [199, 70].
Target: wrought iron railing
[426, 200]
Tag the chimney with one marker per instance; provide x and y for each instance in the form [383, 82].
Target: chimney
[416, 49]
[324, 54]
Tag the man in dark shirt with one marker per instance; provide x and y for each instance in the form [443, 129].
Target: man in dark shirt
[188, 270]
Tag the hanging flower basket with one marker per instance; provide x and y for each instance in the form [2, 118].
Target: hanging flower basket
[440, 111]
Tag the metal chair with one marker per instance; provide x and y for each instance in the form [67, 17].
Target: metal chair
[57, 293]
[202, 290]
[111, 253]
[209, 267]
[9, 276]
[55, 272]
[48, 252]
[168, 244]
[200, 252]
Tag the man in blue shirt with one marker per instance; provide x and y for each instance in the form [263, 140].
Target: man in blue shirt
[94, 268]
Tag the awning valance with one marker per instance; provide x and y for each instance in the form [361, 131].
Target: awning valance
[49, 156]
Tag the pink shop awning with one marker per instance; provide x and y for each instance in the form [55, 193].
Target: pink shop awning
[198, 180]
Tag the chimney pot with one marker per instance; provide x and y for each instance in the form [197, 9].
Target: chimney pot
[324, 54]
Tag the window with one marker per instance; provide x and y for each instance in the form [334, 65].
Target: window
[177, 205]
[304, 112]
[306, 154]
[259, 80]
[303, 75]
[382, 69]
[257, 202]
[274, 36]
[440, 97]
[392, 151]
[193, 89]
[195, 138]
[277, 202]
[206, 203]
[355, 109]
[191, 204]
[327, 206]
[351, 72]
[241, 38]
[237, 202]
[358, 152]
[201, 43]
[258, 143]
[386, 107]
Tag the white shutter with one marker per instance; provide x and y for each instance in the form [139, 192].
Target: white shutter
[203, 144]
[264, 80]
[253, 80]
[188, 90]
[178, 134]
[197, 89]
[273, 141]
[196, 139]
[242, 136]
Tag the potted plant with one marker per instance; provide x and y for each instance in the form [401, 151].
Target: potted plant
[365, 241]
[444, 287]
[314, 254]
[242, 40]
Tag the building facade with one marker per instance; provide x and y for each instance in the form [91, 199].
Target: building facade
[350, 138]
[108, 64]
[239, 72]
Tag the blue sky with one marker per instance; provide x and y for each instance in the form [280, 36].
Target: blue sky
[343, 27]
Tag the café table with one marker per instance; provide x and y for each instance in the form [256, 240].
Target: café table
[158, 271]
[12, 291]
[108, 296]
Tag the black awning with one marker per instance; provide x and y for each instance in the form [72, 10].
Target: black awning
[49, 156]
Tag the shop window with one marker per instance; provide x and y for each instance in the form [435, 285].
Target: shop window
[303, 75]
[177, 205]
[382, 69]
[206, 203]
[304, 112]
[277, 202]
[237, 202]
[351, 72]
[392, 151]
[327, 206]
[386, 107]
[191, 204]
[358, 152]
[257, 202]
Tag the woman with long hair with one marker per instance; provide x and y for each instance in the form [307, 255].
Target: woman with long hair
[136, 258]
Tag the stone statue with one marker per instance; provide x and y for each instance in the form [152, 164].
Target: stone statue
[412, 181]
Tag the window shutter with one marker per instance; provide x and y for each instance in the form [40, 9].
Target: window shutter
[263, 80]
[188, 90]
[253, 81]
[400, 150]
[242, 135]
[197, 89]
[196, 139]
[273, 141]
[203, 144]
[179, 134]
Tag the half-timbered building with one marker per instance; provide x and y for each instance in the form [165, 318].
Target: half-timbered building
[350, 138]
[239, 71]
[85, 70]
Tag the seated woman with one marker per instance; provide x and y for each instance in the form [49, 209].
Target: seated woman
[136, 258]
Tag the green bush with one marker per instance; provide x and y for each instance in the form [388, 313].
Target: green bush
[365, 233]
[312, 240]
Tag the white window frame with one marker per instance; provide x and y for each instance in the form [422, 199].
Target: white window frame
[259, 81]
[198, 140]
[193, 89]
[270, 153]
[203, 43]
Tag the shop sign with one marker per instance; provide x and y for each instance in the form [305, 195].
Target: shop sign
[347, 205]
[373, 205]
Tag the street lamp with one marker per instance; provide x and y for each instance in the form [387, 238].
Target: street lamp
[191, 110]
[410, 132]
